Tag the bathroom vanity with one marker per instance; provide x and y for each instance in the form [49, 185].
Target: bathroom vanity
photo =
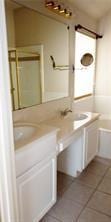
[36, 169]
[77, 141]
[81, 151]
[41, 71]
[72, 140]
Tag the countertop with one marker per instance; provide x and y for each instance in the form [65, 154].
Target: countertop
[68, 126]
[64, 127]
[41, 132]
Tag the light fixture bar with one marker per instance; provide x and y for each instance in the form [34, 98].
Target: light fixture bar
[58, 9]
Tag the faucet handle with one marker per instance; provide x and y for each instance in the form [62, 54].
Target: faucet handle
[68, 110]
[65, 112]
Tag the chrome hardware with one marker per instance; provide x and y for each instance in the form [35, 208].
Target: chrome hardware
[65, 112]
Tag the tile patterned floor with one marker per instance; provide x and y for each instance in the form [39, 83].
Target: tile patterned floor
[86, 198]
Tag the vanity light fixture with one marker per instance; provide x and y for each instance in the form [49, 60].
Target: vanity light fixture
[49, 4]
[68, 13]
[58, 9]
[62, 11]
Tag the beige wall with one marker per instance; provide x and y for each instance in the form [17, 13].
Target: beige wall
[85, 20]
[103, 80]
[31, 28]
[103, 73]
[78, 16]
[10, 26]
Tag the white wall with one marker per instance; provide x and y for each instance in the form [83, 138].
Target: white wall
[84, 104]
[103, 72]
[102, 104]
[8, 194]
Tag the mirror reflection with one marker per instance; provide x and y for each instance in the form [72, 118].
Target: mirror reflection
[32, 39]
[87, 59]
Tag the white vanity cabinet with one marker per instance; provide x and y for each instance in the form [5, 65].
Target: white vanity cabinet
[90, 142]
[37, 191]
[70, 160]
[36, 182]
[81, 151]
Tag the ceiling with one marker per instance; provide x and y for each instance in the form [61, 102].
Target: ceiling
[12, 4]
[94, 8]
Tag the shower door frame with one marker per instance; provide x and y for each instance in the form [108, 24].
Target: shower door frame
[34, 56]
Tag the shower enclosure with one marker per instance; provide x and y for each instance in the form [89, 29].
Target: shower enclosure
[25, 78]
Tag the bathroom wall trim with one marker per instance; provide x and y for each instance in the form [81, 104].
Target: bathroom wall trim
[8, 197]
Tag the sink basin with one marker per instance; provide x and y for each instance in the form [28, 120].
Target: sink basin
[76, 116]
[22, 132]
[79, 116]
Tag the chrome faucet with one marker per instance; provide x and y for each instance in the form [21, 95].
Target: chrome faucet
[65, 112]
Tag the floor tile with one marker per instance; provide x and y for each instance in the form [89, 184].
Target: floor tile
[89, 215]
[89, 179]
[66, 210]
[79, 193]
[75, 193]
[105, 185]
[108, 174]
[97, 168]
[101, 202]
[103, 160]
[48, 219]
[63, 182]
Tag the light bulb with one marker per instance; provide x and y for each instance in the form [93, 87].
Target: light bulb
[48, 4]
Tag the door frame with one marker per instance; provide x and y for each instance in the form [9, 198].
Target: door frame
[8, 191]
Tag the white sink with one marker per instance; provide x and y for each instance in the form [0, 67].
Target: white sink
[76, 116]
[22, 132]
[80, 116]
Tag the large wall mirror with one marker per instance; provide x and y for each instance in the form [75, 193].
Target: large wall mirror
[33, 40]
